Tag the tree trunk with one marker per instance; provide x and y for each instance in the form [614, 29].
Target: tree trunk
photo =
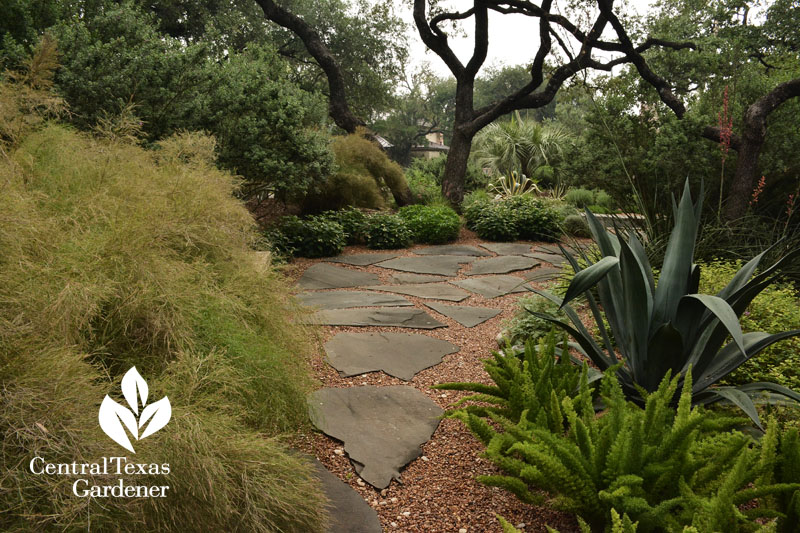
[746, 176]
[456, 167]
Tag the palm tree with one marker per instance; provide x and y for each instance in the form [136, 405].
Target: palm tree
[519, 145]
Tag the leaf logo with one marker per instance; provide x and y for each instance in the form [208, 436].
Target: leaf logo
[115, 418]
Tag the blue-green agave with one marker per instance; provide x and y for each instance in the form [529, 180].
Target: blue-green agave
[667, 326]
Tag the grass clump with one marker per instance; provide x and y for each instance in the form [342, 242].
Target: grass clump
[113, 256]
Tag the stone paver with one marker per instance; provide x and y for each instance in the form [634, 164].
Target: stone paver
[453, 249]
[377, 316]
[553, 259]
[548, 249]
[434, 291]
[360, 259]
[501, 265]
[444, 265]
[405, 278]
[543, 274]
[347, 299]
[507, 248]
[322, 276]
[401, 355]
[382, 427]
[465, 315]
[348, 511]
[492, 286]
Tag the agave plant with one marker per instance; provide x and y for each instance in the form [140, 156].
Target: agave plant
[515, 184]
[667, 326]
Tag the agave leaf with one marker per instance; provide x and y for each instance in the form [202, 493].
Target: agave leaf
[730, 357]
[664, 354]
[641, 255]
[598, 317]
[724, 313]
[740, 400]
[672, 284]
[586, 342]
[577, 322]
[588, 278]
[636, 312]
[761, 386]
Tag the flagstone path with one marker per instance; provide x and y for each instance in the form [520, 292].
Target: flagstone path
[372, 302]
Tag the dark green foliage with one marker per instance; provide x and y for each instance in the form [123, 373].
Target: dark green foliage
[473, 205]
[525, 325]
[517, 217]
[668, 327]
[263, 123]
[353, 221]
[576, 226]
[496, 222]
[431, 224]
[579, 197]
[535, 220]
[387, 232]
[315, 236]
[425, 188]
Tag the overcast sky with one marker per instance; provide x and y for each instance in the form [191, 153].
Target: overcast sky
[513, 40]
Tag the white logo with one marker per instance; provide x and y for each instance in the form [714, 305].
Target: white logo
[113, 415]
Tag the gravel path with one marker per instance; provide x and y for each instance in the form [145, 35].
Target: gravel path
[437, 492]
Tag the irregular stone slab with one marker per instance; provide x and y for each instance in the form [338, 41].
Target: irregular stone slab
[404, 278]
[501, 265]
[444, 265]
[434, 291]
[376, 316]
[465, 315]
[553, 259]
[348, 511]
[401, 355]
[346, 299]
[382, 427]
[322, 276]
[549, 249]
[492, 286]
[508, 248]
[453, 249]
[544, 274]
[360, 259]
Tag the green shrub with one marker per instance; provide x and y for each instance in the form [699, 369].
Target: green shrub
[580, 197]
[524, 325]
[366, 177]
[576, 226]
[496, 222]
[315, 236]
[599, 210]
[431, 224]
[388, 232]
[473, 205]
[353, 222]
[603, 199]
[516, 217]
[425, 187]
[777, 308]
[114, 256]
[535, 221]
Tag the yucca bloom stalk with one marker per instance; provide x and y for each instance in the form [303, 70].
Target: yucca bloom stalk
[667, 326]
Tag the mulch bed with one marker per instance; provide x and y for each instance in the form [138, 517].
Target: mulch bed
[438, 491]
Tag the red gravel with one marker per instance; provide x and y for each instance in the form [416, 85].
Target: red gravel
[438, 491]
